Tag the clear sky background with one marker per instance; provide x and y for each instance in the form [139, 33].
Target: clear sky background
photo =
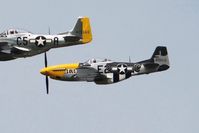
[166, 102]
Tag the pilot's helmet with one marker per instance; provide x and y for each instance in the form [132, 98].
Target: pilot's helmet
[94, 60]
[11, 32]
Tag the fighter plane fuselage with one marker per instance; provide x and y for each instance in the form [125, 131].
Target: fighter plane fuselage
[107, 71]
[17, 44]
[33, 44]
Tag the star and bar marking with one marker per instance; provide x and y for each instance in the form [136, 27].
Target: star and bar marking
[40, 41]
[122, 68]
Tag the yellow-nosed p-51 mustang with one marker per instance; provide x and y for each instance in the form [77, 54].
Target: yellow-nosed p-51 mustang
[107, 71]
[19, 44]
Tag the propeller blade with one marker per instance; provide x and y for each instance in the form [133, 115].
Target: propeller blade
[45, 58]
[47, 80]
[47, 85]
[46, 65]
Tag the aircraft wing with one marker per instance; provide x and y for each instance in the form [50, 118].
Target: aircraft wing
[5, 48]
[8, 49]
[5, 52]
[87, 73]
[4, 45]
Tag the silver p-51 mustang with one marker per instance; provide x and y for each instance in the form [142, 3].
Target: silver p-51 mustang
[107, 71]
[18, 44]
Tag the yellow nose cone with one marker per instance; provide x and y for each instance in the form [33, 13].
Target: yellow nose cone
[44, 71]
[58, 70]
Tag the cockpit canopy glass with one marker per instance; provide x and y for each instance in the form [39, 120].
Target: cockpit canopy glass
[91, 61]
[12, 32]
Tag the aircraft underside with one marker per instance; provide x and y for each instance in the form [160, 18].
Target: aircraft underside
[5, 57]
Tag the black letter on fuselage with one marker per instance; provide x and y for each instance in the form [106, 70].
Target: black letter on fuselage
[99, 68]
[18, 41]
[25, 42]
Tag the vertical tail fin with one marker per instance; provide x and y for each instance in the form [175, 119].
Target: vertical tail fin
[160, 57]
[82, 29]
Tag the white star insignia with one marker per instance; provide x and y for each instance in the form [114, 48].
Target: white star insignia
[122, 69]
[40, 41]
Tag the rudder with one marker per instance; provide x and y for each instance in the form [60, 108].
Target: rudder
[82, 29]
[160, 57]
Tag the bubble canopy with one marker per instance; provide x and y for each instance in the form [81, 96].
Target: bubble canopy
[91, 61]
[12, 32]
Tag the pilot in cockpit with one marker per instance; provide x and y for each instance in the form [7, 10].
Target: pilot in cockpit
[9, 32]
[12, 31]
[89, 62]
[94, 61]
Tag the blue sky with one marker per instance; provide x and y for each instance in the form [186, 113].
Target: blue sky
[164, 102]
